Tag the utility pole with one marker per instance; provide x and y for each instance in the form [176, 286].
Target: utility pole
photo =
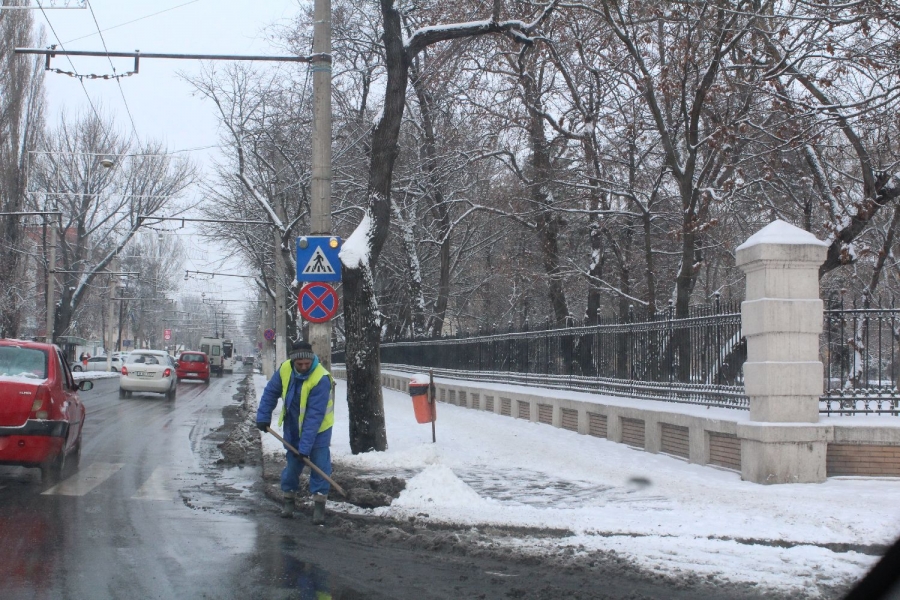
[320, 181]
[51, 281]
[113, 281]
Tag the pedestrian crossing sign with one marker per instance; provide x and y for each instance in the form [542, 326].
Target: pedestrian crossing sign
[317, 258]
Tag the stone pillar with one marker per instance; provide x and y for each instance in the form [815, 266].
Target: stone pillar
[782, 320]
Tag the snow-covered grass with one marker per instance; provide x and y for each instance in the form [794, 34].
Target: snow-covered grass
[664, 513]
[84, 375]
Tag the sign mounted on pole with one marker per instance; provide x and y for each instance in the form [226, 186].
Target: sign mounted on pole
[318, 302]
[269, 334]
[317, 258]
[167, 334]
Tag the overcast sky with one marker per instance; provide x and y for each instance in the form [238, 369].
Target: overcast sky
[160, 101]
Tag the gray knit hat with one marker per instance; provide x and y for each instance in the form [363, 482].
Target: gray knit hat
[301, 349]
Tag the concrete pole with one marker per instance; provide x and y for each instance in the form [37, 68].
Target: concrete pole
[320, 183]
[51, 283]
[109, 321]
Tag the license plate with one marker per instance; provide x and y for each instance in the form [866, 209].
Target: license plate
[191, 374]
[139, 373]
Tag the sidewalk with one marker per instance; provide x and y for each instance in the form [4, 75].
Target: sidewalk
[665, 514]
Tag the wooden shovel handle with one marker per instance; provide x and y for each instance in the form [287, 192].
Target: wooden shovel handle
[308, 463]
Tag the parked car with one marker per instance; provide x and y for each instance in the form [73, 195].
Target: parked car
[41, 415]
[148, 371]
[248, 360]
[192, 365]
[98, 363]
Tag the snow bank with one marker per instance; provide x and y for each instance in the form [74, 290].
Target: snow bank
[85, 375]
[437, 485]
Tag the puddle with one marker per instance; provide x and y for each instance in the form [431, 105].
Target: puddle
[308, 579]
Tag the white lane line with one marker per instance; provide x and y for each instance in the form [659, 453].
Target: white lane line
[159, 486]
[86, 479]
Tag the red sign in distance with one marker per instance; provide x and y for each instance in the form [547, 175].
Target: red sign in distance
[167, 334]
[318, 302]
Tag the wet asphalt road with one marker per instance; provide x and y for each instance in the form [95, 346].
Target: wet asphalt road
[150, 514]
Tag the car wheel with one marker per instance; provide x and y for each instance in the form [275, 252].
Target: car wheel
[114, 370]
[52, 471]
[76, 368]
[122, 393]
[74, 458]
[129, 394]
[170, 395]
[206, 381]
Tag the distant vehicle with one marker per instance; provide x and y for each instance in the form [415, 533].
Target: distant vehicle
[41, 416]
[228, 356]
[148, 371]
[98, 363]
[248, 360]
[192, 365]
[212, 347]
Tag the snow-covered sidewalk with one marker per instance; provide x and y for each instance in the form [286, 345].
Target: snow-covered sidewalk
[663, 513]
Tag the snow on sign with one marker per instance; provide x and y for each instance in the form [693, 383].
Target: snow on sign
[317, 258]
[318, 302]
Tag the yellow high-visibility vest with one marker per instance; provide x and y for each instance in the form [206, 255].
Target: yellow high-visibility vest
[314, 378]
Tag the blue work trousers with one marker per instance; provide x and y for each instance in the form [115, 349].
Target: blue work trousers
[290, 476]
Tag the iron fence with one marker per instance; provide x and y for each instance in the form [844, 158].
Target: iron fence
[695, 360]
[860, 353]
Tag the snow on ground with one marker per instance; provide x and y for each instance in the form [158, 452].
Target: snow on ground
[667, 515]
[83, 375]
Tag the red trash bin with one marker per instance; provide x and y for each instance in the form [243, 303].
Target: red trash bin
[425, 411]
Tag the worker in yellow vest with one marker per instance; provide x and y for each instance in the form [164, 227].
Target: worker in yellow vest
[307, 415]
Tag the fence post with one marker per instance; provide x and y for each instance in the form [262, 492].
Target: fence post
[783, 376]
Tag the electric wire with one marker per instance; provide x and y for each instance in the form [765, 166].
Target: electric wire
[74, 70]
[118, 81]
[132, 21]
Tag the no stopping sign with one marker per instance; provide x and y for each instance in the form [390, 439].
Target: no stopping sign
[318, 302]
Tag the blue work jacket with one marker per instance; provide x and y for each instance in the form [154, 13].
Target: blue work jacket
[316, 406]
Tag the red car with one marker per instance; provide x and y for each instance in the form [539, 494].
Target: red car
[41, 416]
[192, 365]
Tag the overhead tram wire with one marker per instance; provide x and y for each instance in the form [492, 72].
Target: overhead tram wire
[134, 20]
[74, 70]
[118, 80]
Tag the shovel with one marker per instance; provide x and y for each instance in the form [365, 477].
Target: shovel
[308, 463]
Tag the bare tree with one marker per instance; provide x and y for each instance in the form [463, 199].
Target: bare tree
[21, 125]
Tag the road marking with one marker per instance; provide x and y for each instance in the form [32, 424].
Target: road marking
[84, 480]
[158, 486]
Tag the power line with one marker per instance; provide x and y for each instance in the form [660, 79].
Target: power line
[133, 21]
[118, 80]
[83, 87]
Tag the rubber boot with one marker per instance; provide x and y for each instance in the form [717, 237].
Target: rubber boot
[319, 508]
[287, 510]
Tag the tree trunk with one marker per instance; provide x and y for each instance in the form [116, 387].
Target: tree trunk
[548, 222]
[365, 404]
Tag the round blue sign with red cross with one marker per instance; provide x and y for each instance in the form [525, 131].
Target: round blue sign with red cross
[318, 302]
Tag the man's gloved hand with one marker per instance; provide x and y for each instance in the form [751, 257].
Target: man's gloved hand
[263, 426]
[303, 458]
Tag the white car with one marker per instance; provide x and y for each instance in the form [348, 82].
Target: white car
[98, 363]
[148, 371]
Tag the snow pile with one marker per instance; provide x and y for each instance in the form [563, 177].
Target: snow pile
[437, 485]
[87, 375]
[355, 251]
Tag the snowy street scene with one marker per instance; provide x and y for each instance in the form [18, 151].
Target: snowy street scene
[421, 300]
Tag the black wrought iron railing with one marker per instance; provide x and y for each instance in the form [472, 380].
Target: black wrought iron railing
[696, 360]
[861, 354]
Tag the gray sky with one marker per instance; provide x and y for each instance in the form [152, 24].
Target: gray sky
[160, 102]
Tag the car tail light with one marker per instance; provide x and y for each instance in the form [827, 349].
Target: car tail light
[167, 373]
[124, 370]
[41, 397]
